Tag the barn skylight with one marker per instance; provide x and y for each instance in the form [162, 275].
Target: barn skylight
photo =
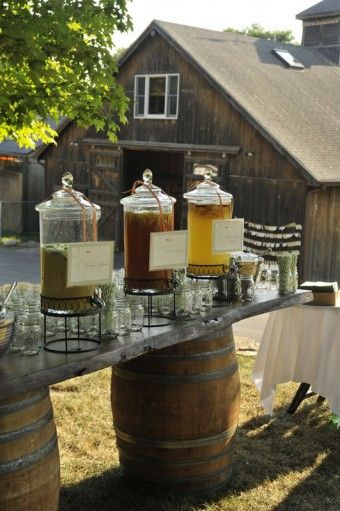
[288, 58]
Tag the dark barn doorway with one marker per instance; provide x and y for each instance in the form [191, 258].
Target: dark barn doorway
[167, 168]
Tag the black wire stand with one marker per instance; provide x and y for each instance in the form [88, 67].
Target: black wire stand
[70, 341]
[223, 294]
[152, 318]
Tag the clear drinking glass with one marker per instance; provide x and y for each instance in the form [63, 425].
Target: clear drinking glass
[30, 332]
[183, 301]
[247, 288]
[196, 298]
[137, 315]
[273, 283]
[92, 325]
[110, 323]
[166, 305]
[207, 295]
[17, 338]
[124, 316]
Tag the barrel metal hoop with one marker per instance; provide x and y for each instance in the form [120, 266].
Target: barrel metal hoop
[196, 356]
[176, 444]
[29, 459]
[176, 379]
[176, 463]
[26, 430]
[25, 403]
[226, 472]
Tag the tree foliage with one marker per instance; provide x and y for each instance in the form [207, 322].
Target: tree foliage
[56, 59]
[256, 30]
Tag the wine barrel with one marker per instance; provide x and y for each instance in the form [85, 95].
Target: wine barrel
[29, 457]
[176, 412]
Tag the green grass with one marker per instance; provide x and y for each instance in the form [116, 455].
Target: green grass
[280, 463]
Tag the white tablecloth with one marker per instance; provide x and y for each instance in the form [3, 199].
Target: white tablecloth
[300, 344]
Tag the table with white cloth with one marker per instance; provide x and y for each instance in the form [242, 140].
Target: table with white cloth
[300, 344]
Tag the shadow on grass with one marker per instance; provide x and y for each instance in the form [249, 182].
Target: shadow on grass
[266, 449]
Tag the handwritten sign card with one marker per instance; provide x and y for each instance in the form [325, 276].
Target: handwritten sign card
[168, 250]
[227, 235]
[89, 263]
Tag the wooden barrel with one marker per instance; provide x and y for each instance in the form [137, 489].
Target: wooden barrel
[29, 457]
[176, 412]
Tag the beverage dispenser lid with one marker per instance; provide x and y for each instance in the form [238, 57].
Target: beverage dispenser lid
[68, 202]
[207, 191]
[147, 194]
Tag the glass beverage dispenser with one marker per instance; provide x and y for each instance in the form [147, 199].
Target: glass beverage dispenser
[148, 209]
[68, 217]
[207, 202]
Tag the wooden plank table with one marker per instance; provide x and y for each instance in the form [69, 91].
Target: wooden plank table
[25, 407]
[23, 373]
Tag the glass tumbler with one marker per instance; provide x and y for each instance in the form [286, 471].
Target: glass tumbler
[166, 305]
[196, 298]
[18, 337]
[247, 288]
[110, 323]
[124, 316]
[31, 332]
[207, 295]
[183, 301]
[137, 316]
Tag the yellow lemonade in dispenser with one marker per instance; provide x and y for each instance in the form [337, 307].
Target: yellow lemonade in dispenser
[200, 218]
[205, 204]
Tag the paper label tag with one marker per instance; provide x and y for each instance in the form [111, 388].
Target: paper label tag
[227, 235]
[168, 250]
[90, 263]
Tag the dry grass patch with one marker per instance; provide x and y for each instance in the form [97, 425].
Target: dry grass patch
[282, 463]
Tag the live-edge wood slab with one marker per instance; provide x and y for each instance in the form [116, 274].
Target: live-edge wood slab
[22, 373]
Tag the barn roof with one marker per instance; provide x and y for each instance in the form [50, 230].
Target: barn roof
[322, 9]
[11, 148]
[297, 110]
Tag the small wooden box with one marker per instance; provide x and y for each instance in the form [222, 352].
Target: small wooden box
[324, 298]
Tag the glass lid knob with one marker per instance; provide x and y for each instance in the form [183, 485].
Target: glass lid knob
[147, 177]
[67, 180]
[208, 173]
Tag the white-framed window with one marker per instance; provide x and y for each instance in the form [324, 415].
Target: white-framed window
[156, 96]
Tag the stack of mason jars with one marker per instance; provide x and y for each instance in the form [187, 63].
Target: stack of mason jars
[122, 314]
[25, 303]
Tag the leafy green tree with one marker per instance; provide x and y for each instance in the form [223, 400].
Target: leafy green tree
[256, 30]
[56, 59]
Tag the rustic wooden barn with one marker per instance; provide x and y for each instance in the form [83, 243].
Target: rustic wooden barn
[321, 28]
[268, 120]
[22, 186]
[10, 195]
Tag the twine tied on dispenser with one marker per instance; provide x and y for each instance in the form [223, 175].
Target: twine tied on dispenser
[208, 175]
[67, 182]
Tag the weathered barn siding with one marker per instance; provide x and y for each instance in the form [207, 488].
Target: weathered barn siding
[266, 186]
[322, 235]
[58, 158]
[96, 171]
[11, 191]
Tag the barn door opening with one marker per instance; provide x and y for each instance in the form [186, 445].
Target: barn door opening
[167, 168]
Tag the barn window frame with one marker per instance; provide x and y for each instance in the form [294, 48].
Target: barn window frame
[143, 96]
